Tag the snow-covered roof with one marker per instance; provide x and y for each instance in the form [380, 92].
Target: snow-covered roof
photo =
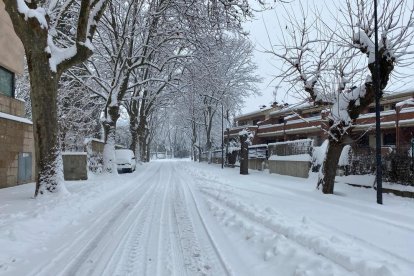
[258, 146]
[293, 107]
[406, 102]
[400, 93]
[289, 131]
[255, 112]
[15, 118]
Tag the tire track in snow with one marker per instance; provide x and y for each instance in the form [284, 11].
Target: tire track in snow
[134, 257]
[175, 255]
[85, 252]
[110, 236]
[157, 238]
[194, 261]
[212, 262]
[123, 258]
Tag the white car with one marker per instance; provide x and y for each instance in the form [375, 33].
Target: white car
[125, 160]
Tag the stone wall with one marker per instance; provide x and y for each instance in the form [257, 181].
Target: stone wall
[11, 106]
[257, 164]
[75, 166]
[15, 138]
[292, 168]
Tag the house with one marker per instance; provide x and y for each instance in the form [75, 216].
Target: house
[306, 120]
[17, 164]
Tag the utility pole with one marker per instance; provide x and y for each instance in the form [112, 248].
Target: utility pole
[377, 110]
[222, 136]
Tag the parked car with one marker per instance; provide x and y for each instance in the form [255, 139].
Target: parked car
[125, 160]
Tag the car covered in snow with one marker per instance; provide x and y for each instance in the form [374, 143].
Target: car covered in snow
[125, 160]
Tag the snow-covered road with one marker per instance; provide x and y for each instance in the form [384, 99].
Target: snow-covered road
[183, 218]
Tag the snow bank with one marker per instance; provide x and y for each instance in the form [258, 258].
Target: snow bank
[15, 118]
[74, 153]
[338, 249]
[297, 157]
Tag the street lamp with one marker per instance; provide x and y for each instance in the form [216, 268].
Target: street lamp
[222, 127]
[377, 109]
[222, 136]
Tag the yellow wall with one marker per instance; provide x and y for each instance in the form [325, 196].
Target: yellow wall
[11, 48]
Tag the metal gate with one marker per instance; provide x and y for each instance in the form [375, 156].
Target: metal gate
[25, 167]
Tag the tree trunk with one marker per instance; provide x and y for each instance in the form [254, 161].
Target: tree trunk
[194, 153]
[109, 126]
[133, 125]
[244, 154]
[141, 138]
[209, 153]
[328, 170]
[44, 86]
[148, 157]
[141, 145]
[62, 135]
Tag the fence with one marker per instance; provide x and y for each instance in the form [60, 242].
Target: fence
[296, 147]
[258, 152]
[397, 166]
[291, 157]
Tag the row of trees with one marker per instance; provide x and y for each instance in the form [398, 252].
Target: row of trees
[148, 57]
[189, 62]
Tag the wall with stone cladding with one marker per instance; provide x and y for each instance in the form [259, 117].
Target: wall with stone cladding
[15, 137]
[257, 164]
[11, 106]
[292, 168]
[75, 166]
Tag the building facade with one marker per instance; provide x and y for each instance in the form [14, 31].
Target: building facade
[306, 120]
[17, 164]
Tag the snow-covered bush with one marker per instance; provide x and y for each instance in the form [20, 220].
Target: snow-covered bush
[318, 156]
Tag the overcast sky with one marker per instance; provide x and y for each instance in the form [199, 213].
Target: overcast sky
[268, 65]
[265, 62]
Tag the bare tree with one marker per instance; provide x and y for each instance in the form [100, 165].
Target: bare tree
[325, 61]
[221, 73]
[56, 35]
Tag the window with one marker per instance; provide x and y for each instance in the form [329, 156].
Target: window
[372, 109]
[6, 82]
[314, 114]
[389, 139]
